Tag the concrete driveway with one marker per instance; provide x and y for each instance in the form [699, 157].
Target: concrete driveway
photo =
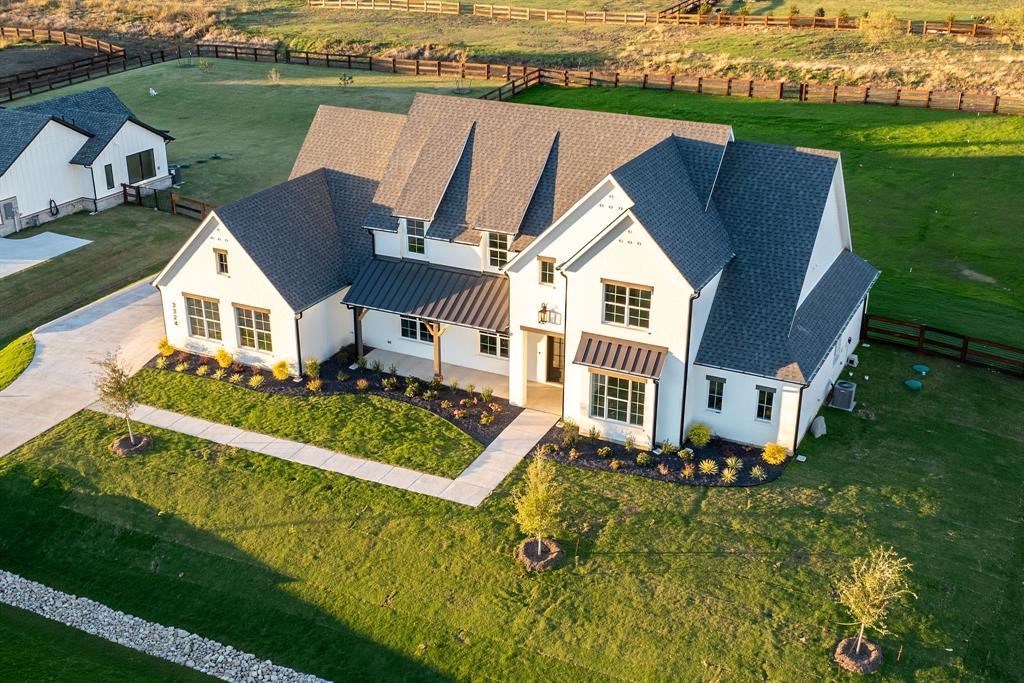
[59, 382]
[17, 255]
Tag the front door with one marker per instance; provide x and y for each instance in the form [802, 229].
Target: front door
[556, 359]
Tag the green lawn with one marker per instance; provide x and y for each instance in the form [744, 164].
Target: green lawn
[14, 358]
[367, 426]
[352, 580]
[934, 197]
[33, 648]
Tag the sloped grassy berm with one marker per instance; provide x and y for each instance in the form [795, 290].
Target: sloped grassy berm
[366, 426]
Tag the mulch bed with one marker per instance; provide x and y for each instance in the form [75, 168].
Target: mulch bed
[550, 554]
[502, 411]
[868, 660]
[718, 450]
[125, 446]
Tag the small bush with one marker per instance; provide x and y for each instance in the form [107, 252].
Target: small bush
[574, 454]
[431, 395]
[881, 26]
[223, 358]
[629, 444]
[410, 380]
[486, 394]
[604, 452]
[164, 347]
[312, 368]
[435, 383]
[389, 383]
[376, 366]
[412, 390]
[669, 448]
[729, 476]
[181, 367]
[160, 363]
[219, 373]
[362, 384]
[774, 454]
[734, 462]
[466, 402]
[794, 10]
[446, 405]
[757, 472]
[281, 371]
[570, 439]
[235, 378]
[643, 458]
[202, 370]
[315, 384]
[470, 388]
[708, 467]
[393, 370]
[820, 12]
[256, 381]
[495, 407]
[843, 14]
[453, 386]
[184, 356]
[459, 413]
[615, 464]
[486, 418]
[663, 469]
[594, 434]
[686, 454]
[545, 449]
[342, 376]
[688, 471]
[699, 435]
[237, 367]
[361, 362]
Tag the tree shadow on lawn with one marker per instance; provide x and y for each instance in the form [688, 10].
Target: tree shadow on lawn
[156, 566]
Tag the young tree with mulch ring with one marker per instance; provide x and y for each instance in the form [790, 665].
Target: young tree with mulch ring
[873, 585]
[117, 391]
[537, 510]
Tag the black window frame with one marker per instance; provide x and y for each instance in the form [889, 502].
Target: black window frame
[765, 404]
[716, 399]
[108, 174]
[143, 161]
[408, 326]
[416, 244]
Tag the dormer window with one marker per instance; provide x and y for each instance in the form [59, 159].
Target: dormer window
[415, 232]
[497, 249]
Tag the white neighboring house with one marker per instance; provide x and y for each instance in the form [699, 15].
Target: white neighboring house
[654, 273]
[72, 153]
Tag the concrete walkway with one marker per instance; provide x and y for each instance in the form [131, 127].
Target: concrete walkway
[59, 381]
[469, 488]
[19, 254]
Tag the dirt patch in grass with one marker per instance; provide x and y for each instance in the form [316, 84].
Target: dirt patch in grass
[30, 56]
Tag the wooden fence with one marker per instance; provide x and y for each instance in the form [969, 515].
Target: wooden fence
[935, 342]
[49, 35]
[187, 206]
[678, 15]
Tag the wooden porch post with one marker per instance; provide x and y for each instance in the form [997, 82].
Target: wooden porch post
[436, 330]
[357, 317]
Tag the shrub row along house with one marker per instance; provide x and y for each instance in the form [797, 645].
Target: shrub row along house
[646, 273]
[72, 153]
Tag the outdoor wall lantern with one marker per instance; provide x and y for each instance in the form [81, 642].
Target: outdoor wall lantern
[542, 314]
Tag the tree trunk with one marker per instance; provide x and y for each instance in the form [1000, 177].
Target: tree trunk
[538, 547]
[131, 437]
[860, 639]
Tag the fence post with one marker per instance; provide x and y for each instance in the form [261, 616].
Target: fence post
[963, 349]
[920, 337]
[174, 203]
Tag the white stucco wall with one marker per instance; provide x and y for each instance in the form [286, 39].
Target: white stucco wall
[737, 420]
[833, 236]
[325, 327]
[195, 272]
[43, 171]
[130, 139]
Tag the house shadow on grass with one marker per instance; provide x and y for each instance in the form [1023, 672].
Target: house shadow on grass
[155, 566]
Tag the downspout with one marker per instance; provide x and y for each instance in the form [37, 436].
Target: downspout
[686, 369]
[95, 196]
[565, 331]
[799, 407]
[298, 348]
[654, 424]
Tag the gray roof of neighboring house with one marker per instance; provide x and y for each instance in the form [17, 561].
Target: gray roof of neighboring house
[570, 151]
[770, 199]
[684, 224]
[450, 295]
[98, 111]
[620, 355]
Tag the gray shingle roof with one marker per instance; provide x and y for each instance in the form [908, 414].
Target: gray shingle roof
[683, 224]
[19, 130]
[589, 145]
[460, 297]
[770, 199]
[619, 355]
[98, 111]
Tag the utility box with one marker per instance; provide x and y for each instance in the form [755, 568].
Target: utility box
[843, 394]
[175, 171]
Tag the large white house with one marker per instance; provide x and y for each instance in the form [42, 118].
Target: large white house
[72, 153]
[654, 273]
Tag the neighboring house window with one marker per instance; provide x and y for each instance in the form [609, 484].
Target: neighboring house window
[415, 232]
[108, 171]
[140, 166]
[547, 271]
[203, 317]
[765, 401]
[493, 344]
[253, 328]
[413, 328]
[222, 261]
[627, 305]
[716, 391]
[497, 249]
[616, 398]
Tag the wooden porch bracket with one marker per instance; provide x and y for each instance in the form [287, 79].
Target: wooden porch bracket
[436, 330]
[358, 313]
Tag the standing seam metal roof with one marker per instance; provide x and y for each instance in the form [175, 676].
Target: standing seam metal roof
[620, 355]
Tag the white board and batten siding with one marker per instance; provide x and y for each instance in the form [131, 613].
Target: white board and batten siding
[44, 172]
[132, 138]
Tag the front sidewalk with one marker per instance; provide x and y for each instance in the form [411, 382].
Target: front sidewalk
[471, 487]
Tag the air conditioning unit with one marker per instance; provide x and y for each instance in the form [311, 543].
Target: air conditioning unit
[843, 395]
[853, 361]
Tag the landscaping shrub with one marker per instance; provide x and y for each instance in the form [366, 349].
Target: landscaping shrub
[256, 381]
[453, 385]
[459, 413]
[435, 383]
[466, 402]
[545, 449]
[643, 458]
[164, 347]
[219, 373]
[688, 471]
[312, 368]
[732, 462]
[470, 388]
[342, 376]
[495, 407]
[669, 448]
[594, 434]
[729, 476]
[604, 452]
[393, 370]
[202, 370]
[430, 394]
[570, 439]
[629, 444]
[183, 356]
[411, 390]
[235, 378]
[314, 384]
[486, 418]
[757, 472]
[774, 454]
[446, 405]
[574, 454]
[708, 467]
[160, 363]
[820, 12]
[662, 469]
[686, 454]
[878, 27]
[181, 367]
[362, 384]
[699, 434]
[223, 358]
[486, 393]
[794, 10]
[389, 383]
[361, 362]
[281, 370]
[376, 366]
[615, 464]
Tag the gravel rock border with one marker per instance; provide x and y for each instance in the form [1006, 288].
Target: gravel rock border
[166, 642]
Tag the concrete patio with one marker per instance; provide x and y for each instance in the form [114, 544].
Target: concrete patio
[18, 254]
